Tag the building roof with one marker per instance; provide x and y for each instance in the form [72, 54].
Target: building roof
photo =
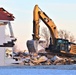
[5, 15]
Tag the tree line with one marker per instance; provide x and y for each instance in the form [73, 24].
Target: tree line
[64, 34]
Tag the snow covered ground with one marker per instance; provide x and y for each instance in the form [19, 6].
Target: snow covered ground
[25, 70]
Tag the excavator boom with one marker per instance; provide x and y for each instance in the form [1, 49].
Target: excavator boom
[39, 14]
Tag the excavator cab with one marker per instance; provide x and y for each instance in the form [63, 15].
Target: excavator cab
[60, 45]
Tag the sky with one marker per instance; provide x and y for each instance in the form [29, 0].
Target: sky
[62, 12]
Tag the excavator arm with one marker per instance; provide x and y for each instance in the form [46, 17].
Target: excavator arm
[39, 14]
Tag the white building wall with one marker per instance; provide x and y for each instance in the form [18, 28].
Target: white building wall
[2, 49]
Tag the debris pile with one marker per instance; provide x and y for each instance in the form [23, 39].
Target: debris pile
[44, 59]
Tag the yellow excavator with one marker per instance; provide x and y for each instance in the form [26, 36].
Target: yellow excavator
[56, 44]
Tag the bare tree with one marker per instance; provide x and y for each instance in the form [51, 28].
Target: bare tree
[45, 33]
[72, 38]
[62, 34]
[66, 35]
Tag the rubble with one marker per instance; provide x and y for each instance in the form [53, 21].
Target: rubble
[56, 58]
[45, 59]
[42, 51]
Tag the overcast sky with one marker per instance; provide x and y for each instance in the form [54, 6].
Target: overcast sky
[62, 12]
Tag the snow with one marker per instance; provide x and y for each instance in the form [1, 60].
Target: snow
[36, 72]
[22, 70]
